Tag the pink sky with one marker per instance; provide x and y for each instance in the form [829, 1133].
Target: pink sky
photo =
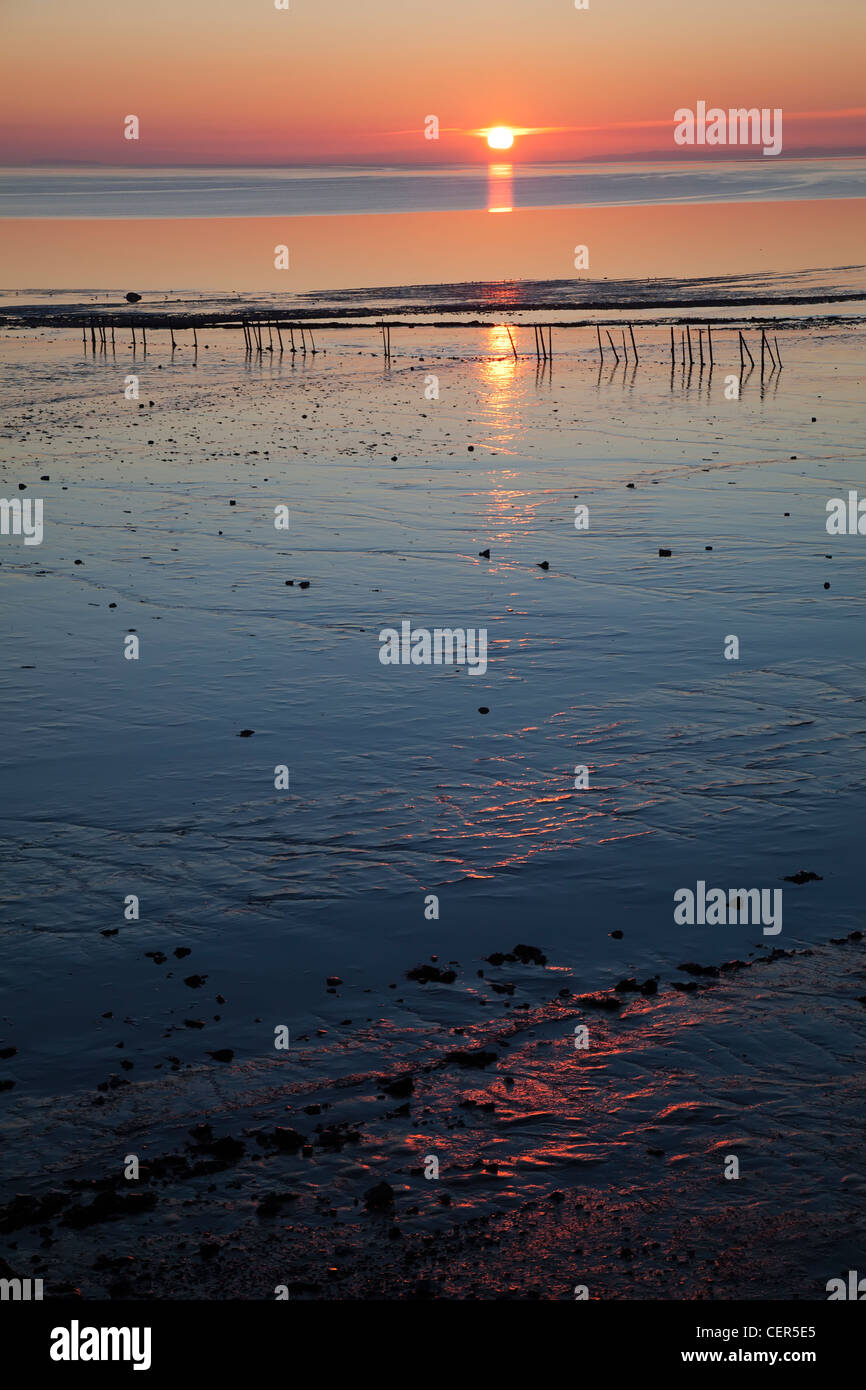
[238, 81]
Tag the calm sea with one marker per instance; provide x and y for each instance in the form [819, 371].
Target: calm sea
[310, 192]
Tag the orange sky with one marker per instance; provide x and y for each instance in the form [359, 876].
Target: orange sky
[238, 81]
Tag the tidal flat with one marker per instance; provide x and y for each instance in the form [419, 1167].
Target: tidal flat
[414, 831]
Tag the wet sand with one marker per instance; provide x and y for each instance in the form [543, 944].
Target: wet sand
[129, 777]
[601, 1168]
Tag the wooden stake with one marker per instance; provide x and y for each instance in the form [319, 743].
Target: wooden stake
[689, 338]
[710, 343]
[778, 357]
[673, 349]
[511, 340]
[279, 336]
[633, 344]
[701, 348]
[600, 348]
[610, 340]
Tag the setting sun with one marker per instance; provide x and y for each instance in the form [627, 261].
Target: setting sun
[501, 137]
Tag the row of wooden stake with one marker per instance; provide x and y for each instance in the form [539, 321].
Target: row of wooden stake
[253, 331]
[99, 331]
[254, 338]
[686, 348]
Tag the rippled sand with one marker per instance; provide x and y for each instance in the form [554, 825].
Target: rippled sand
[124, 777]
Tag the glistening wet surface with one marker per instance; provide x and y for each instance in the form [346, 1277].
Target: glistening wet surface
[128, 777]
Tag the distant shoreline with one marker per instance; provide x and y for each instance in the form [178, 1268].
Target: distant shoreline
[676, 309]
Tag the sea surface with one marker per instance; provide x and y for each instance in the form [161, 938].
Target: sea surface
[290, 232]
[306, 192]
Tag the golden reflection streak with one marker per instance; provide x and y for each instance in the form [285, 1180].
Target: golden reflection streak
[500, 188]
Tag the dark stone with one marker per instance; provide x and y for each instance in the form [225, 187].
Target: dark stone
[427, 974]
[25, 1210]
[273, 1203]
[380, 1197]
[475, 1057]
[530, 955]
[599, 1001]
[106, 1206]
[282, 1138]
[227, 1149]
[397, 1086]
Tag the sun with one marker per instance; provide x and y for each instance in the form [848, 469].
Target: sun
[501, 137]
